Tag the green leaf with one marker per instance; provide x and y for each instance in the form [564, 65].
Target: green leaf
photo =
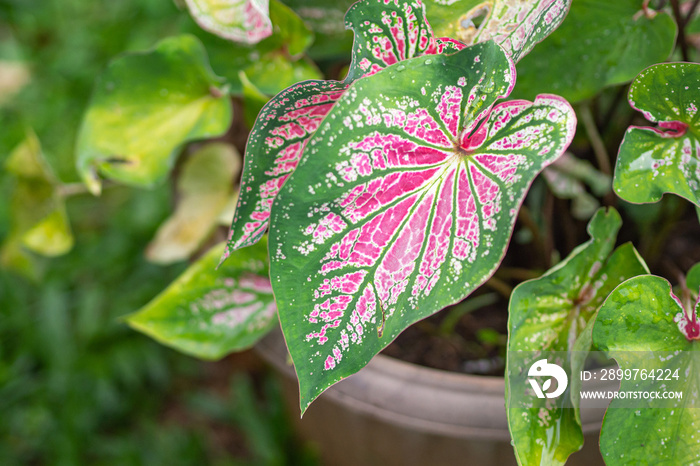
[143, 107]
[599, 44]
[209, 312]
[643, 326]
[274, 63]
[693, 280]
[254, 100]
[403, 203]
[549, 314]
[516, 26]
[326, 20]
[246, 21]
[275, 72]
[654, 161]
[39, 220]
[294, 35]
[203, 191]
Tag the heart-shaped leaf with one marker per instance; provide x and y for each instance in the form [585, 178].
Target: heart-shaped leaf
[204, 189]
[246, 21]
[385, 32]
[666, 159]
[549, 314]
[403, 204]
[515, 26]
[209, 312]
[598, 45]
[644, 327]
[143, 107]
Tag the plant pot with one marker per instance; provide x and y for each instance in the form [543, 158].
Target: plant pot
[397, 413]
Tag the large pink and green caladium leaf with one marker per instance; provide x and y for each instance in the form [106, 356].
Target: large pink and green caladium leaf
[599, 44]
[515, 26]
[246, 21]
[209, 312]
[643, 325]
[665, 159]
[386, 32]
[403, 204]
[548, 315]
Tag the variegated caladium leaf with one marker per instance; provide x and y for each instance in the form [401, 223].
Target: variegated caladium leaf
[549, 314]
[515, 26]
[646, 328]
[665, 159]
[208, 312]
[386, 32]
[404, 204]
[274, 148]
[246, 21]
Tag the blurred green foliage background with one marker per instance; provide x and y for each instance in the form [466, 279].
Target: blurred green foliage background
[77, 386]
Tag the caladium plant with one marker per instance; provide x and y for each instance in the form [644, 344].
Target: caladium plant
[382, 222]
[394, 192]
[380, 198]
[654, 161]
[554, 313]
[386, 32]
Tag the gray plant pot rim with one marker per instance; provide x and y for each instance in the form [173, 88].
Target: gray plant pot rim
[423, 399]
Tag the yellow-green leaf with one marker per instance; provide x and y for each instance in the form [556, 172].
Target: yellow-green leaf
[204, 189]
[144, 107]
[39, 219]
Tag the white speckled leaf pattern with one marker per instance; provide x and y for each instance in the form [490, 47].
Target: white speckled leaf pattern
[643, 325]
[385, 32]
[208, 312]
[517, 26]
[664, 159]
[404, 204]
[549, 314]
